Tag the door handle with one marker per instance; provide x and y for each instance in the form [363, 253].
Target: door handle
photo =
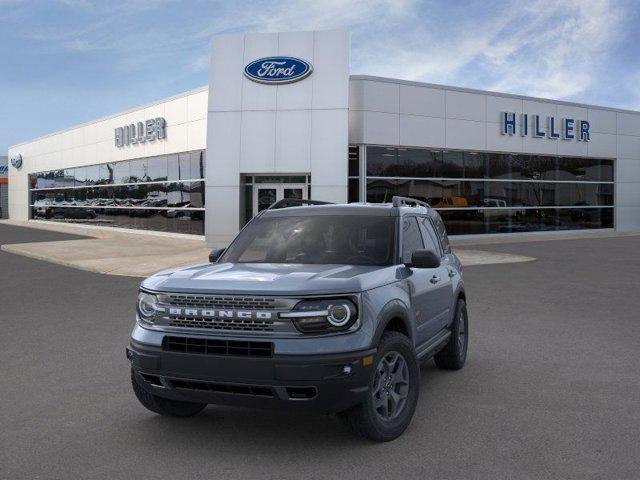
[435, 279]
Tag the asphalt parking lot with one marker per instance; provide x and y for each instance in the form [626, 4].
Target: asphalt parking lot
[551, 389]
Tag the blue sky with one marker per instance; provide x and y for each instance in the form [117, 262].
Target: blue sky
[66, 62]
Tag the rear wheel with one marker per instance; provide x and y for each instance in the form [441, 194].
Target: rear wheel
[164, 406]
[454, 354]
[393, 391]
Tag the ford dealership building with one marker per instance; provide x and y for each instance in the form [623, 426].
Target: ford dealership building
[282, 118]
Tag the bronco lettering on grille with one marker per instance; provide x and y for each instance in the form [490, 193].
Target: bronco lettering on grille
[216, 313]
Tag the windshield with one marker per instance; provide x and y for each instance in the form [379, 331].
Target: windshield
[318, 239]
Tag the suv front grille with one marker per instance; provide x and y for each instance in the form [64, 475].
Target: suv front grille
[208, 346]
[237, 314]
[218, 301]
[222, 323]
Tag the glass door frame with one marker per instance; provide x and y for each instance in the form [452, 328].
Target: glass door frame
[279, 188]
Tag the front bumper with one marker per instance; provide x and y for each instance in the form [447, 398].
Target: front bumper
[326, 383]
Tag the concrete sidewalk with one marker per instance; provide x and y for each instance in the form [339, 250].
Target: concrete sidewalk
[137, 253]
[112, 251]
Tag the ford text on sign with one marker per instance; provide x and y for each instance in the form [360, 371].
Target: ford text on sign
[278, 70]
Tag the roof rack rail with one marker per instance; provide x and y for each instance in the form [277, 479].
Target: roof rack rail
[295, 202]
[407, 201]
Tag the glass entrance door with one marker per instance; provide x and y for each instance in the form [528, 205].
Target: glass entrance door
[266, 194]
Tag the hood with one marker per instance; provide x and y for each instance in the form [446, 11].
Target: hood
[271, 279]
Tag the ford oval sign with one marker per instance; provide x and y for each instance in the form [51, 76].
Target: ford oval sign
[16, 160]
[278, 70]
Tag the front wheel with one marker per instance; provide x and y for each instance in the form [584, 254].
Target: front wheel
[393, 392]
[164, 406]
[454, 354]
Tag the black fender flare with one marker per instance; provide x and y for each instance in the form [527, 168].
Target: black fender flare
[459, 294]
[394, 309]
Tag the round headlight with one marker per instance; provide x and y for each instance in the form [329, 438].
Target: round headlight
[339, 314]
[323, 315]
[146, 305]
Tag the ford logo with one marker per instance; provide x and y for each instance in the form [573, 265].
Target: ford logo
[16, 160]
[278, 70]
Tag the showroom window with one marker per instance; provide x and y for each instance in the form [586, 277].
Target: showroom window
[480, 192]
[164, 193]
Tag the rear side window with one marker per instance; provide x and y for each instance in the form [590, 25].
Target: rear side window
[411, 238]
[442, 233]
[431, 241]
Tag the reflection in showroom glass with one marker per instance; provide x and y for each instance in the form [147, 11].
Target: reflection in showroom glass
[425, 163]
[140, 194]
[483, 192]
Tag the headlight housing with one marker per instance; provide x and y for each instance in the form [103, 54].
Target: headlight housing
[147, 307]
[324, 315]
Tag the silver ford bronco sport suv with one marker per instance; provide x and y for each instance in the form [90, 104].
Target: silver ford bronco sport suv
[324, 307]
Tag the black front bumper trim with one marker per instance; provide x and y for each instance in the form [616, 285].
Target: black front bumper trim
[324, 383]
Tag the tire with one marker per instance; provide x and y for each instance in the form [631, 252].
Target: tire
[164, 406]
[454, 354]
[367, 419]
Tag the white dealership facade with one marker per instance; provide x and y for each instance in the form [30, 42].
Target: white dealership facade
[208, 160]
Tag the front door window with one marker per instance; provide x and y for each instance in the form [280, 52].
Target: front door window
[293, 193]
[266, 194]
[266, 198]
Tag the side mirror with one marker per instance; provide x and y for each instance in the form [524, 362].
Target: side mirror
[423, 258]
[215, 254]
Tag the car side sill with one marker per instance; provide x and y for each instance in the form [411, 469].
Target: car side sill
[432, 345]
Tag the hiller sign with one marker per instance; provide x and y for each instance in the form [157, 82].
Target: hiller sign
[525, 124]
[147, 131]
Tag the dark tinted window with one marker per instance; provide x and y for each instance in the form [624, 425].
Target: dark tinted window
[184, 166]
[475, 165]
[429, 235]
[92, 175]
[418, 162]
[452, 164]
[138, 171]
[173, 167]
[442, 234]
[382, 161]
[344, 239]
[381, 191]
[354, 161]
[354, 190]
[481, 192]
[119, 172]
[197, 165]
[157, 169]
[498, 165]
[411, 238]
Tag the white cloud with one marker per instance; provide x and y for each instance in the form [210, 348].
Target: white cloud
[565, 39]
[545, 49]
[540, 48]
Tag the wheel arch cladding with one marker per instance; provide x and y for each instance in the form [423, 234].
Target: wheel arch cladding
[394, 317]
